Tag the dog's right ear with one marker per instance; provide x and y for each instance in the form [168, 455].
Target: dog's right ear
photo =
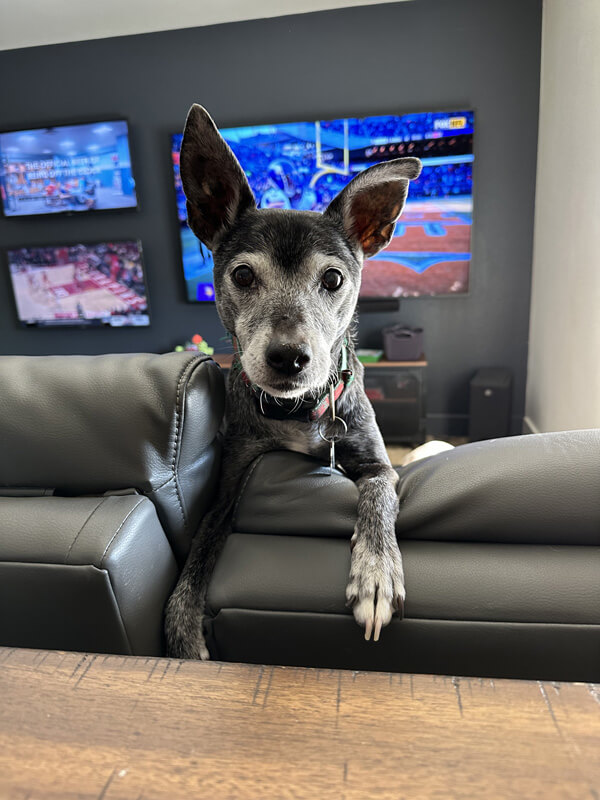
[370, 204]
[214, 183]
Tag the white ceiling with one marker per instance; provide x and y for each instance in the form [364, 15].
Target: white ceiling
[29, 23]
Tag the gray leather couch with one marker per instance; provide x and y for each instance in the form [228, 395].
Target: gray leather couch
[107, 464]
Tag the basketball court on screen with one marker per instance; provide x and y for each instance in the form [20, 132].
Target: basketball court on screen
[70, 292]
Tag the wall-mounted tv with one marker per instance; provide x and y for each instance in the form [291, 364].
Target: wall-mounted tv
[66, 169]
[80, 284]
[304, 165]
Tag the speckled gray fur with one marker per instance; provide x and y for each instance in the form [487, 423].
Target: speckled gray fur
[288, 252]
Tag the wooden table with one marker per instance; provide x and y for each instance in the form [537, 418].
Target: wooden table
[107, 727]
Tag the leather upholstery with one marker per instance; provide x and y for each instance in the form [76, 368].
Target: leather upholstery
[88, 424]
[512, 650]
[84, 573]
[501, 539]
[501, 548]
[444, 580]
[537, 489]
[542, 489]
[107, 464]
[294, 494]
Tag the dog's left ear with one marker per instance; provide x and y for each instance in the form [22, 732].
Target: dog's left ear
[370, 204]
[215, 186]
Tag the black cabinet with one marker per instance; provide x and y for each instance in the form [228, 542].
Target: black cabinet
[490, 403]
[397, 393]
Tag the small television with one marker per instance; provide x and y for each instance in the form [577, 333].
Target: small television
[65, 169]
[304, 165]
[80, 285]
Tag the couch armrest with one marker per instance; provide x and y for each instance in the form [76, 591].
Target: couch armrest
[84, 573]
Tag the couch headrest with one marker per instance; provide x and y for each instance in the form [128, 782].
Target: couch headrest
[91, 424]
[537, 489]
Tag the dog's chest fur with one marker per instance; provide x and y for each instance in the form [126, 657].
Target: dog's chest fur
[301, 437]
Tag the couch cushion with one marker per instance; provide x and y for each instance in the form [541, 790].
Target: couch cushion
[444, 580]
[498, 610]
[87, 424]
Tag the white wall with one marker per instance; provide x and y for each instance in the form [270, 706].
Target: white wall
[29, 23]
[563, 383]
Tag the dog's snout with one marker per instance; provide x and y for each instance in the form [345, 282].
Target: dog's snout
[289, 359]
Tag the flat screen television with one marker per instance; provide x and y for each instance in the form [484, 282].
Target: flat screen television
[80, 284]
[66, 169]
[304, 165]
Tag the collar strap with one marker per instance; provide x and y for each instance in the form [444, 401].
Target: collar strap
[298, 409]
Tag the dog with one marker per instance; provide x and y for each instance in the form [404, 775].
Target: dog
[286, 289]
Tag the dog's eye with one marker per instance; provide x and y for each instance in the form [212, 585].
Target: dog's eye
[243, 276]
[332, 279]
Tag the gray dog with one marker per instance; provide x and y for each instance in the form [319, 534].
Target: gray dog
[286, 286]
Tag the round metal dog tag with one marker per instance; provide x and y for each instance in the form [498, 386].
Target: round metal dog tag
[338, 426]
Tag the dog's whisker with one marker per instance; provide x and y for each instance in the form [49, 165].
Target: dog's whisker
[295, 406]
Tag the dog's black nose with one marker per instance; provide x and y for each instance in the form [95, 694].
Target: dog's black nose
[289, 359]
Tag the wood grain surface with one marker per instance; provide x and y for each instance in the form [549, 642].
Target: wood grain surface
[108, 727]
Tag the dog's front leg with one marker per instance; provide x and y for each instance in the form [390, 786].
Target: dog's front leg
[184, 616]
[376, 586]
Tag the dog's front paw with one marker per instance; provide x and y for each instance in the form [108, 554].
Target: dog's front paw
[184, 632]
[376, 588]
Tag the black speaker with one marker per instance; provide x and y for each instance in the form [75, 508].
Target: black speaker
[491, 396]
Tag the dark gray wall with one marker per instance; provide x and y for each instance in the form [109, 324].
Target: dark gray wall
[422, 55]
